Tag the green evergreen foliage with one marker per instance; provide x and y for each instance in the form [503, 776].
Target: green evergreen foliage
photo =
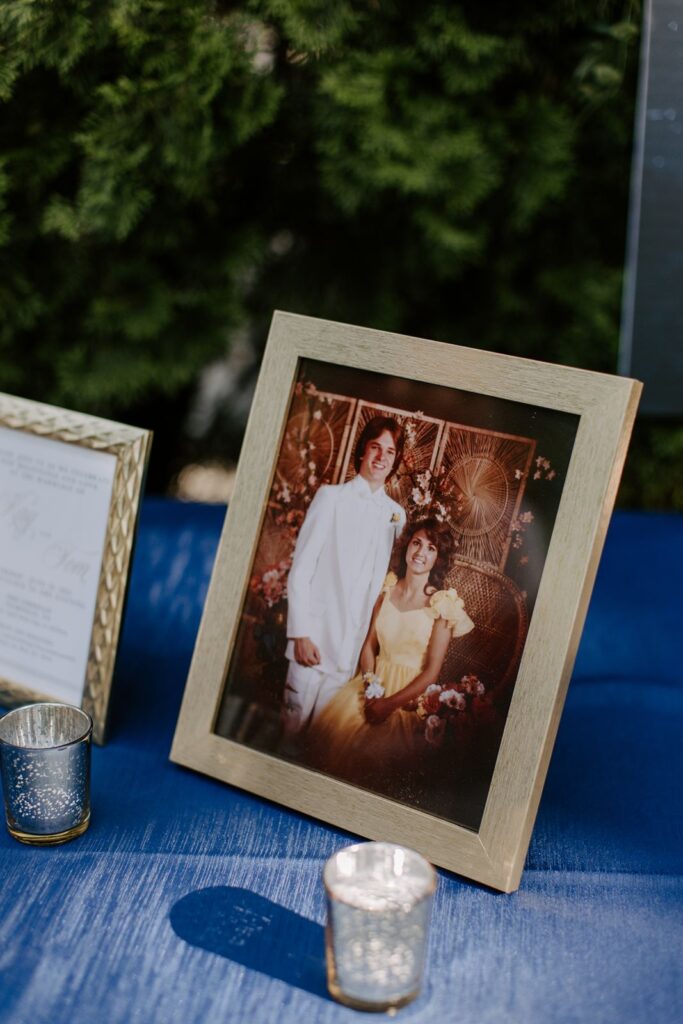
[122, 268]
[172, 170]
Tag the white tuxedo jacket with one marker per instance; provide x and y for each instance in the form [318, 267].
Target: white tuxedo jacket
[328, 600]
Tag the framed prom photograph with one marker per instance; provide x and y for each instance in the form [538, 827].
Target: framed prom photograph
[401, 584]
[70, 489]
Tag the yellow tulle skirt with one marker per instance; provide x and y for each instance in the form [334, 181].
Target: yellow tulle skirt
[343, 743]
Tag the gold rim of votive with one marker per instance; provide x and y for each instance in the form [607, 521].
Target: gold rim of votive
[50, 838]
[388, 1006]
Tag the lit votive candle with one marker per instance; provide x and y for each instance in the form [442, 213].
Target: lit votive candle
[45, 768]
[379, 905]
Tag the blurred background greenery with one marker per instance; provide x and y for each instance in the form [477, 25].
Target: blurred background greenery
[173, 170]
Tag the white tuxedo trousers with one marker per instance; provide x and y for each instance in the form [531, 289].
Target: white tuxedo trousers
[307, 692]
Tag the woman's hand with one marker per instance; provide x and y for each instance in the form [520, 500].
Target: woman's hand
[378, 710]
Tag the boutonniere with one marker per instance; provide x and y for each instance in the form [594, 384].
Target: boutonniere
[395, 517]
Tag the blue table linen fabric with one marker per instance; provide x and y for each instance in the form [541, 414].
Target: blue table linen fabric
[190, 901]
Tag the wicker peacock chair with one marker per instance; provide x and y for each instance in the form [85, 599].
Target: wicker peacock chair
[492, 650]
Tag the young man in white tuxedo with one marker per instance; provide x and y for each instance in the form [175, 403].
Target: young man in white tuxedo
[340, 562]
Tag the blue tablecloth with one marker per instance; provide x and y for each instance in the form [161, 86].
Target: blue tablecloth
[190, 901]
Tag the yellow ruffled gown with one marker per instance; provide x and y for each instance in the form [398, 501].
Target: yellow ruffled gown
[341, 741]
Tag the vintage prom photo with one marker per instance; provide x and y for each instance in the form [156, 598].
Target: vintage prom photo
[393, 584]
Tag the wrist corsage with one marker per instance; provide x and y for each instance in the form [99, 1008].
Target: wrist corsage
[373, 686]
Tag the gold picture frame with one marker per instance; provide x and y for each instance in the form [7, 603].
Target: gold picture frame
[597, 411]
[129, 446]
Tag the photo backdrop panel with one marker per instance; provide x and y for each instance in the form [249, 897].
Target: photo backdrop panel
[422, 435]
[314, 443]
[483, 473]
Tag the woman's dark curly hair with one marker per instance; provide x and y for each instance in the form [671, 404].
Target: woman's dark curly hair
[441, 536]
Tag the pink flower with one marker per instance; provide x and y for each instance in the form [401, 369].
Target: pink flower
[452, 699]
[271, 585]
[472, 684]
[420, 497]
[434, 730]
[430, 701]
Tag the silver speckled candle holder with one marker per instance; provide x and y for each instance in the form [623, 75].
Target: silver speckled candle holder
[379, 899]
[45, 767]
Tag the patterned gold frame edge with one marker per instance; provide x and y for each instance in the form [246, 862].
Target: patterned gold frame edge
[131, 446]
[606, 405]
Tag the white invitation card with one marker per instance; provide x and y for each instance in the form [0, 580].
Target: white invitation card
[54, 510]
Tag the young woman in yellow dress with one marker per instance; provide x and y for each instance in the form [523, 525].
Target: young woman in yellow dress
[362, 736]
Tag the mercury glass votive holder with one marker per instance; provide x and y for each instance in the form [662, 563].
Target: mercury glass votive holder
[45, 768]
[379, 898]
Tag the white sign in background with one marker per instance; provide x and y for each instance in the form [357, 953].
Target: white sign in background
[54, 509]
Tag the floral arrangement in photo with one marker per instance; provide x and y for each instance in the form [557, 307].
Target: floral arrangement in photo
[452, 704]
[542, 470]
[429, 496]
[290, 499]
[518, 528]
[271, 584]
[296, 494]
